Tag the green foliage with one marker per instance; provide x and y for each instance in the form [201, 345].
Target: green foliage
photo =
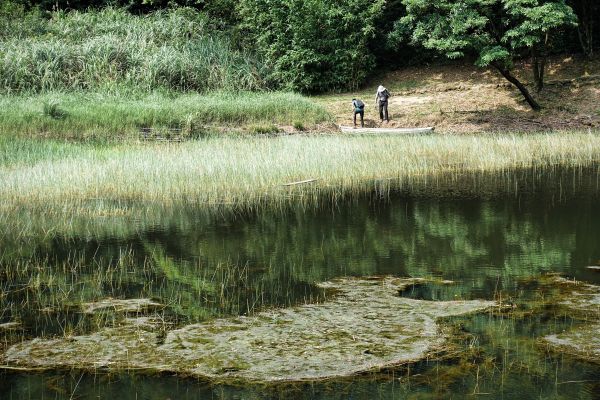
[298, 125]
[534, 22]
[313, 45]
[264, 129]
[494, 30]
[112, 49]
[17, 22]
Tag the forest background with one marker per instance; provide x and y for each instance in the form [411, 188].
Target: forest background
[310, 46]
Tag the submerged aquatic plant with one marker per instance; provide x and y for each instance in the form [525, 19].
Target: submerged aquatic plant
[313, 341]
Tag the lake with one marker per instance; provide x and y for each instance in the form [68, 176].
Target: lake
[494, 235]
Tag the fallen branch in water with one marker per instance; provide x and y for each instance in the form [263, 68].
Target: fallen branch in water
[299, 182]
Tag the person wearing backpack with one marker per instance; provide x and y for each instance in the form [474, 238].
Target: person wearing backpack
[381, 99]
[359, 108]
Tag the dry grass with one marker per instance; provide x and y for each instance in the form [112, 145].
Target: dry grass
[250, 171]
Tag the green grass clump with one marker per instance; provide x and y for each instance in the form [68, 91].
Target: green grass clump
[52, 109]
[264, 129]
[111, 49]
[298, 125]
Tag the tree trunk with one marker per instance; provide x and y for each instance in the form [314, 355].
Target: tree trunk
[586, 37]
[530, 100]
[542, 74]
[539, 64]
[539, 67]
[586, 11]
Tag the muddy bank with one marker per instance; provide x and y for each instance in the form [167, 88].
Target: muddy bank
[582, 301]
[365, 326]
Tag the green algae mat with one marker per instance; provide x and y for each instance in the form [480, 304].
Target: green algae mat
[582, 301]
[364, 326]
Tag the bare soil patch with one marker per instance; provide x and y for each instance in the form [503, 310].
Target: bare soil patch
[464, 99]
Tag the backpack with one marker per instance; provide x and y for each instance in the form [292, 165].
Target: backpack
[359, 104]
[383, 96]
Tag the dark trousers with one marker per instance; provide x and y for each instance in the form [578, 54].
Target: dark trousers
[362, 116]
[383, 111]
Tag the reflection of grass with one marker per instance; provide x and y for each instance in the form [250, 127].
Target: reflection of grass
[501, 353]
[48, 297]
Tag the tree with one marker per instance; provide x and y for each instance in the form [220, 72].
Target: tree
[496, 31]
[312, 45]
[588, 12]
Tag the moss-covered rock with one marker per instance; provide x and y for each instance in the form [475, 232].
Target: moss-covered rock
[365, 326]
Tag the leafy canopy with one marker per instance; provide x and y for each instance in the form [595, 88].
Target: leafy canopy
[495, 30]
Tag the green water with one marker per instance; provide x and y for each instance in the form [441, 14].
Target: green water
[489, 233]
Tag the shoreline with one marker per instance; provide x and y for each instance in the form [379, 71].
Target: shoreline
[247, 171]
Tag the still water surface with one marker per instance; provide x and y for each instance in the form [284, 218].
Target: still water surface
[490, 233]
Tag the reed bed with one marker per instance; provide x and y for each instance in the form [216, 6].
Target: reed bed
[246, 172]
[111, 49]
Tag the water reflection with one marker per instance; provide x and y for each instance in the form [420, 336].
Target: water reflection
[484, 231]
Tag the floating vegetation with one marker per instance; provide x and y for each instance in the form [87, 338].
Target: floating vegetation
[121, 305]
[583, 302]
[365, 326]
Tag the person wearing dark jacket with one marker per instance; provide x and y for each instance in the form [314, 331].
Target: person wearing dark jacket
[359, 108]
[381, 99]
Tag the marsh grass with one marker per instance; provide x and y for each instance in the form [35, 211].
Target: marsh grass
[175, 49]
[102, 117]
[252, 171]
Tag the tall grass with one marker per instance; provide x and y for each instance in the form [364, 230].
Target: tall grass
[111, 49]
[82, 115]
[248, 172]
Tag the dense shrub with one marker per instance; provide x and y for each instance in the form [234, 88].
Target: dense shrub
[313, 45]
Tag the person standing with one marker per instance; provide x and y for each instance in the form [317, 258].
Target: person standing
[359, 108]
[381, 99]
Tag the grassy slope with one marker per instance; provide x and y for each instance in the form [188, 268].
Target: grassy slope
[462, 98]
[106, 74]
[108, 116]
